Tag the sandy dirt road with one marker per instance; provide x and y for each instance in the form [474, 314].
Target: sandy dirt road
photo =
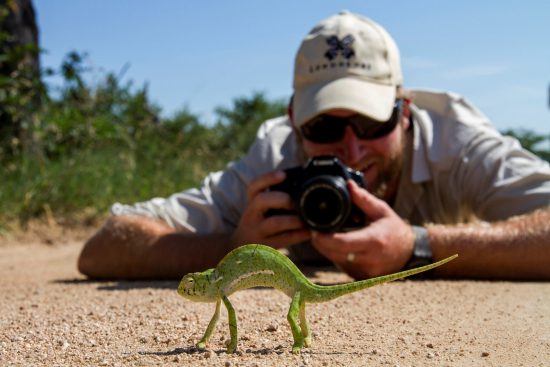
[51, 315]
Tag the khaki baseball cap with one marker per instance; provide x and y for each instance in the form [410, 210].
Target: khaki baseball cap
[347, 61]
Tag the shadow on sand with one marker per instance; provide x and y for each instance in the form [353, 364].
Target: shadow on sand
[122, 285]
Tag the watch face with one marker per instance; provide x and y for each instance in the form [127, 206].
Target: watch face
[422, 249]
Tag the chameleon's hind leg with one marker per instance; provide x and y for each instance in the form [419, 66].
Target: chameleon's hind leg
[292, 318]
[211, 326]
[232, 346]
[306, 333]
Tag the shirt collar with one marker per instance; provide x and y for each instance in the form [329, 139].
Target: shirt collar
[422, 138]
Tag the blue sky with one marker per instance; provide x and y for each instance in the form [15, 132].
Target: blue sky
[204, 54]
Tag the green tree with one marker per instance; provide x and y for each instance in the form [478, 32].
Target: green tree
[20, 85]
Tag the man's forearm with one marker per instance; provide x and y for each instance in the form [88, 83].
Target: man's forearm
[176, 254]
[517, 248]
[139, 248]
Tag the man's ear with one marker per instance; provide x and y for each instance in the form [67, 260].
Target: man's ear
[289, 110]
[406, 114]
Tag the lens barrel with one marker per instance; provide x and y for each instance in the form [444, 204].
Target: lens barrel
[324, 203]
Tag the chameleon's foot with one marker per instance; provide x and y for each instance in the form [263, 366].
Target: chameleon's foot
[231, 346]
[297, 347]
[307, 341]
[296, 350]
[201, 345]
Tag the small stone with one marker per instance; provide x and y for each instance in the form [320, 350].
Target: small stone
[143, 340]
[430, 355]
[485, 354]
[227, 364]
[208, 354]
[430, 345]
[272, 327]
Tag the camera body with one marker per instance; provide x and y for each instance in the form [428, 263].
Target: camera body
[320, 195]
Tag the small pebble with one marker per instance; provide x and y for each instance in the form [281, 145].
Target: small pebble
[430, 345]
[272, 328]
[485, 354]
[430, 355]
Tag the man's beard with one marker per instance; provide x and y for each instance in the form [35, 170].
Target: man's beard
[389, 174]
[388, 177]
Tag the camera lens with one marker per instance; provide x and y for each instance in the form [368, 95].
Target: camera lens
[325, 203]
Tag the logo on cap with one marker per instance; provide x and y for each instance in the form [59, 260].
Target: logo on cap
[342, 47]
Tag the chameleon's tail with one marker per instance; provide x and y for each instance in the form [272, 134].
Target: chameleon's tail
[326, 293]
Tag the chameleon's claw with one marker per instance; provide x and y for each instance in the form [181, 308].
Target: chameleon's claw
[201, 345]
[307, 341]
[296, 349]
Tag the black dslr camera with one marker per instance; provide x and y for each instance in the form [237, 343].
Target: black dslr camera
[321, 196]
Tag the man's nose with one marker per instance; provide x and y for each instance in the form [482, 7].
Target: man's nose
[354, 149]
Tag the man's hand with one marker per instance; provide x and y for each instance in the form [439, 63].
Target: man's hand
[383, 247]
[276, 231]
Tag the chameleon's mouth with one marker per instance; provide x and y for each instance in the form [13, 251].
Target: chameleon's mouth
[184, 290]
[181, 289]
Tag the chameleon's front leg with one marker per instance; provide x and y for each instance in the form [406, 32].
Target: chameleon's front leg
[232, 325]
[306, 333]
[292, 318]
[211, 326]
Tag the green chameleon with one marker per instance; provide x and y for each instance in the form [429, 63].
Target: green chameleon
[258, 265]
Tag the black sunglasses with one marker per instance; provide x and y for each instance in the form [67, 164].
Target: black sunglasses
[325, 129]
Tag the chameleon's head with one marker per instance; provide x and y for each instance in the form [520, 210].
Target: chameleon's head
[198, 287]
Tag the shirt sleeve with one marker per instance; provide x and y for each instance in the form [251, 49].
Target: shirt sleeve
[501, 179]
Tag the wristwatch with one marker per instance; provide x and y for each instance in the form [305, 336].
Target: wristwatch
[422, 252]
